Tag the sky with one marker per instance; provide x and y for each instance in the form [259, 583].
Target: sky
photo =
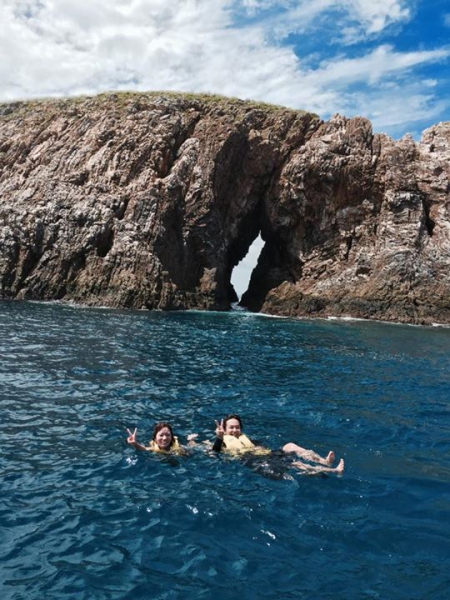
[387, 60]
[240, 278]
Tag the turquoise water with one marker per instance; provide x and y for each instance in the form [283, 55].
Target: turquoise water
[83, 515]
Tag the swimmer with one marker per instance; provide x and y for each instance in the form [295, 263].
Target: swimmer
[229, 437]
[163, 440]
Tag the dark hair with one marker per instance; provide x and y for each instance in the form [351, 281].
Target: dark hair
[228, 417]
[160, 426]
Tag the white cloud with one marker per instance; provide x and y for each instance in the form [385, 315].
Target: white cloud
[375, 66]
[379, 85]
[231, 47]
[361, 17]
[375, 15]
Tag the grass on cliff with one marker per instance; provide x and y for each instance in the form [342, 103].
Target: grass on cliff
[124, 98]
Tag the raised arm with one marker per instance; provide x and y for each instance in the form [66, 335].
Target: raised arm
[132, 440]
[220, 432]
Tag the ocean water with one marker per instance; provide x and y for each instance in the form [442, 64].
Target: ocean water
[83, 515]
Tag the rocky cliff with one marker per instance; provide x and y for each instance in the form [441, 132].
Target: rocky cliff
[150, 200]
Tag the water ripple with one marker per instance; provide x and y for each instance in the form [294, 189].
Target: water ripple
[83, 515]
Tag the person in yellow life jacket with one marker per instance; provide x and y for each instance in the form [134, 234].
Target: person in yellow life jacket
[163, 440]
[229, 437]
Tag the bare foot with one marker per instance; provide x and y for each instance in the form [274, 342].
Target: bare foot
[330, 458]
[340, 467]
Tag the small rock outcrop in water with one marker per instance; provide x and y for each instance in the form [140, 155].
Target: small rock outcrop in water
[151, 200]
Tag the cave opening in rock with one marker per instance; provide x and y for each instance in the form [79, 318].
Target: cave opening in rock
[240, 277]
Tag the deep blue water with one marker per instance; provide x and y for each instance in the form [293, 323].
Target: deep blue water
[83, 515]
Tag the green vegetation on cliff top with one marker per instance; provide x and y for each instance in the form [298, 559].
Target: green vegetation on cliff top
[124, 99]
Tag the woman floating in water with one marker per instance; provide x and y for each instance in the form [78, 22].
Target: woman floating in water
[163, 440]
[229, 437]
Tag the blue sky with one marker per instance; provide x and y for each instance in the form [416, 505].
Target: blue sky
[387, 60]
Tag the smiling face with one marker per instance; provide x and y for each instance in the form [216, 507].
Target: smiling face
[233, 427]
[163, 438]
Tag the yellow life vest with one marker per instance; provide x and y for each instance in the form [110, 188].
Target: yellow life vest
[175, 447]
[237, 445]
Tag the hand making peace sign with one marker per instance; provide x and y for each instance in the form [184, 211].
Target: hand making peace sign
[220, 430]
[131, 439]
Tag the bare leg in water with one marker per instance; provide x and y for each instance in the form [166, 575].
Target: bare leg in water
[315, 470]
[310, 454]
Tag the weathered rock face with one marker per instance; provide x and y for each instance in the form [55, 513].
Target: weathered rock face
[146, 200]
[361, 224]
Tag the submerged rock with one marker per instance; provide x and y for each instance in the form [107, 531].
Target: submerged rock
[150, 201]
